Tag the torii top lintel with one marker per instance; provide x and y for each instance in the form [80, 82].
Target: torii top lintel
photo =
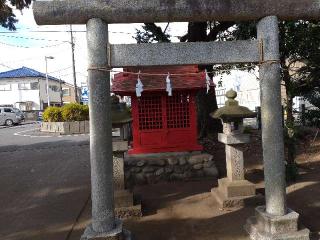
[56, 12]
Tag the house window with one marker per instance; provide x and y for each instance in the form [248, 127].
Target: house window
[24, 86]
[5, 87]
[65, 92]
[34, 86]
[54, 88]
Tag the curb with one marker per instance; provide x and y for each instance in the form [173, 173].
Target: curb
[21, 124]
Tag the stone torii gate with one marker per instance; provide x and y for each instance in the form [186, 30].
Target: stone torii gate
[275, 220]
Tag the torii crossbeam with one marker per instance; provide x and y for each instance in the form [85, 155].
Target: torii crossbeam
[140, 11]
[275, 220]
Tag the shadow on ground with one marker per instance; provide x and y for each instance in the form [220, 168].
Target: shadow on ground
[43, 189]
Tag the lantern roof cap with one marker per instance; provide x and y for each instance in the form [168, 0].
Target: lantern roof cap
[232, 110]
[120, 113]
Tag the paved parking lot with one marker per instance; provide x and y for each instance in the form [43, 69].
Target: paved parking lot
[44, 182]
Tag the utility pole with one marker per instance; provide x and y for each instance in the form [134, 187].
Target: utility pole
[61, 93]
[47, 78]
[74, 67]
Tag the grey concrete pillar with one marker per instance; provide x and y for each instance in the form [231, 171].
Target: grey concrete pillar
[103, 217]
[272, 130]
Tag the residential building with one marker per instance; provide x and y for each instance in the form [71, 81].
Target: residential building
[68, 94]
[26, 89]
[244, 83]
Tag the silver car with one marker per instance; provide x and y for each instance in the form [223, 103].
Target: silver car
[10, 116]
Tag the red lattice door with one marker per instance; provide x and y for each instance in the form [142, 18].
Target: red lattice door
[162, 123]
[179, 121]
[151, 121]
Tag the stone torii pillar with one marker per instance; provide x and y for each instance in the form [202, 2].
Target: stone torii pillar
[275, 220]
[104, 224]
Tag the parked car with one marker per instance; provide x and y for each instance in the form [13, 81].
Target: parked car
[10, 116]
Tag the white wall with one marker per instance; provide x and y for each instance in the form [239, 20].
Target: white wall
[244, 83]
[16, 95]
[37, 97]
[54, 96]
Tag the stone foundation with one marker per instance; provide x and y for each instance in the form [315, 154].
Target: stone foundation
[264, 226]
[118, 233]
[152, 168]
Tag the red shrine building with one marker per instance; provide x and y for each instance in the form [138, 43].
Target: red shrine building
[162, 123]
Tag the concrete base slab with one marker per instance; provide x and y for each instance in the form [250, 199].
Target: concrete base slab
[118, 233]
[264, 226]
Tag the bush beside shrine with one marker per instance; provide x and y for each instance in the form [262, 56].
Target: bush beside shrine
[52, 114]
[72, 118]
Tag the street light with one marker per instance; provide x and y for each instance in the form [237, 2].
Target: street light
[47, 80]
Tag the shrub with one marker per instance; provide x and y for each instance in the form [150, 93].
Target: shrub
[313, 118]
[52, 114]
[85, 112]
[75, 112]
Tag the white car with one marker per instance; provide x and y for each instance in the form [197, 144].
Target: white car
[10, 116]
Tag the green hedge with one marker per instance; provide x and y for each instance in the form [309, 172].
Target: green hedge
[68, 113]
[52, 114]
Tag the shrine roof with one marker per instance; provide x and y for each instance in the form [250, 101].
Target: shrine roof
[125, 83]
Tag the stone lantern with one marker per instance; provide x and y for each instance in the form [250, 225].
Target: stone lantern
[121, 118]
[234, 189]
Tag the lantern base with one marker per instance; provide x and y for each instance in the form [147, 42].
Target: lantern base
[124, 205]
[232, 194]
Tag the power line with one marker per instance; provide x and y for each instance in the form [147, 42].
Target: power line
[60, 70]
[31, 38]
[44, 31]
[68, 31]
[82, 74]
[20, 46]
[6, 66]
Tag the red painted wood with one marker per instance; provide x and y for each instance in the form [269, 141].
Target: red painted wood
[164, 124]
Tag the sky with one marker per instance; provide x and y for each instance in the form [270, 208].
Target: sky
[29, 45]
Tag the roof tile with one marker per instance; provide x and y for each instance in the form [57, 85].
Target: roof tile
[24, 72]
[124, 83]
